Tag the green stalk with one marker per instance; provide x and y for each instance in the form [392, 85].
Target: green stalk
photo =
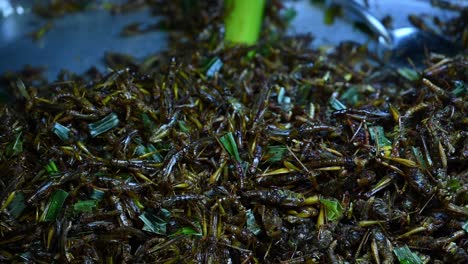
[243, 21]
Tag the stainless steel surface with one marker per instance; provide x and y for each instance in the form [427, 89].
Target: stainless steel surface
[371, 21]
[310, 19]
[75, 41]
[402, 45]
[78, 41]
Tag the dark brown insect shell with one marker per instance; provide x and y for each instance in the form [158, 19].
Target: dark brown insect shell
[282, 180]
[184, 198]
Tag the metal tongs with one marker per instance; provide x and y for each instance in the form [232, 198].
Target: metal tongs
[402, 46]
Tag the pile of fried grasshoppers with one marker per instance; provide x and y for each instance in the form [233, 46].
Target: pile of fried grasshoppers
[274, 153]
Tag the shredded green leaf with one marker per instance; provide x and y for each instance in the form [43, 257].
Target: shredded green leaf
[147, 122]
[252, 225]
[454, 184]
[377, 134]
[103, 125]
[153, 223]
[351, 96]
[51, 168]
[138, 203]
[156, 156]
[164, 214]
[230, 145]
[465, 226]
[251, 54]
[97, 194]
[15, 147]
[61, 131]
[17, 206]
[461, 89]
[141, 150]
[186, 231]
[409, 74]
[85, 206]
[183, 126]
[336, 104]
[419, 156]
[22, 89]
[333, 209]
[276, 153]
[406, 256]
[214, 66]
[54, 206]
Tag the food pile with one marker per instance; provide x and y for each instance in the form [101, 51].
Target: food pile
[207, 153]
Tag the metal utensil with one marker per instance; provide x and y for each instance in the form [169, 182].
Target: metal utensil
[401, 46]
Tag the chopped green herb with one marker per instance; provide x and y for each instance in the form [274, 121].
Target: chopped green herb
[186, 231]
[419, 156]
[252, 225]
[405, 256]
[22, 89]
[251, 54]
[230, 145]
[61, 131]
[461, 89]
[147, 122]
[17, 205]
[97, 194]
[454, 184]
[51, 168]
[54, 206]
[336, 104]
[156, 156]
[377, 134]
[276, 153]
[141, 150]
[138, 203]
[153, 223]
[15, 147]
[465, 226]
[164, 214]
[333, 209]
[85, 206]
[183, 126]
[103, 125]
[351, 95]
[409, 74]
[214, 66]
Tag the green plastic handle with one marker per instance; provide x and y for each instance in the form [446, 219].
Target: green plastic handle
[243, 21]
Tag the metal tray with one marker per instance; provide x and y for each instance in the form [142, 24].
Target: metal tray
[78, 41]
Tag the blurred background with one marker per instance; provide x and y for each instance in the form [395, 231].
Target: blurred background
[79, 40]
